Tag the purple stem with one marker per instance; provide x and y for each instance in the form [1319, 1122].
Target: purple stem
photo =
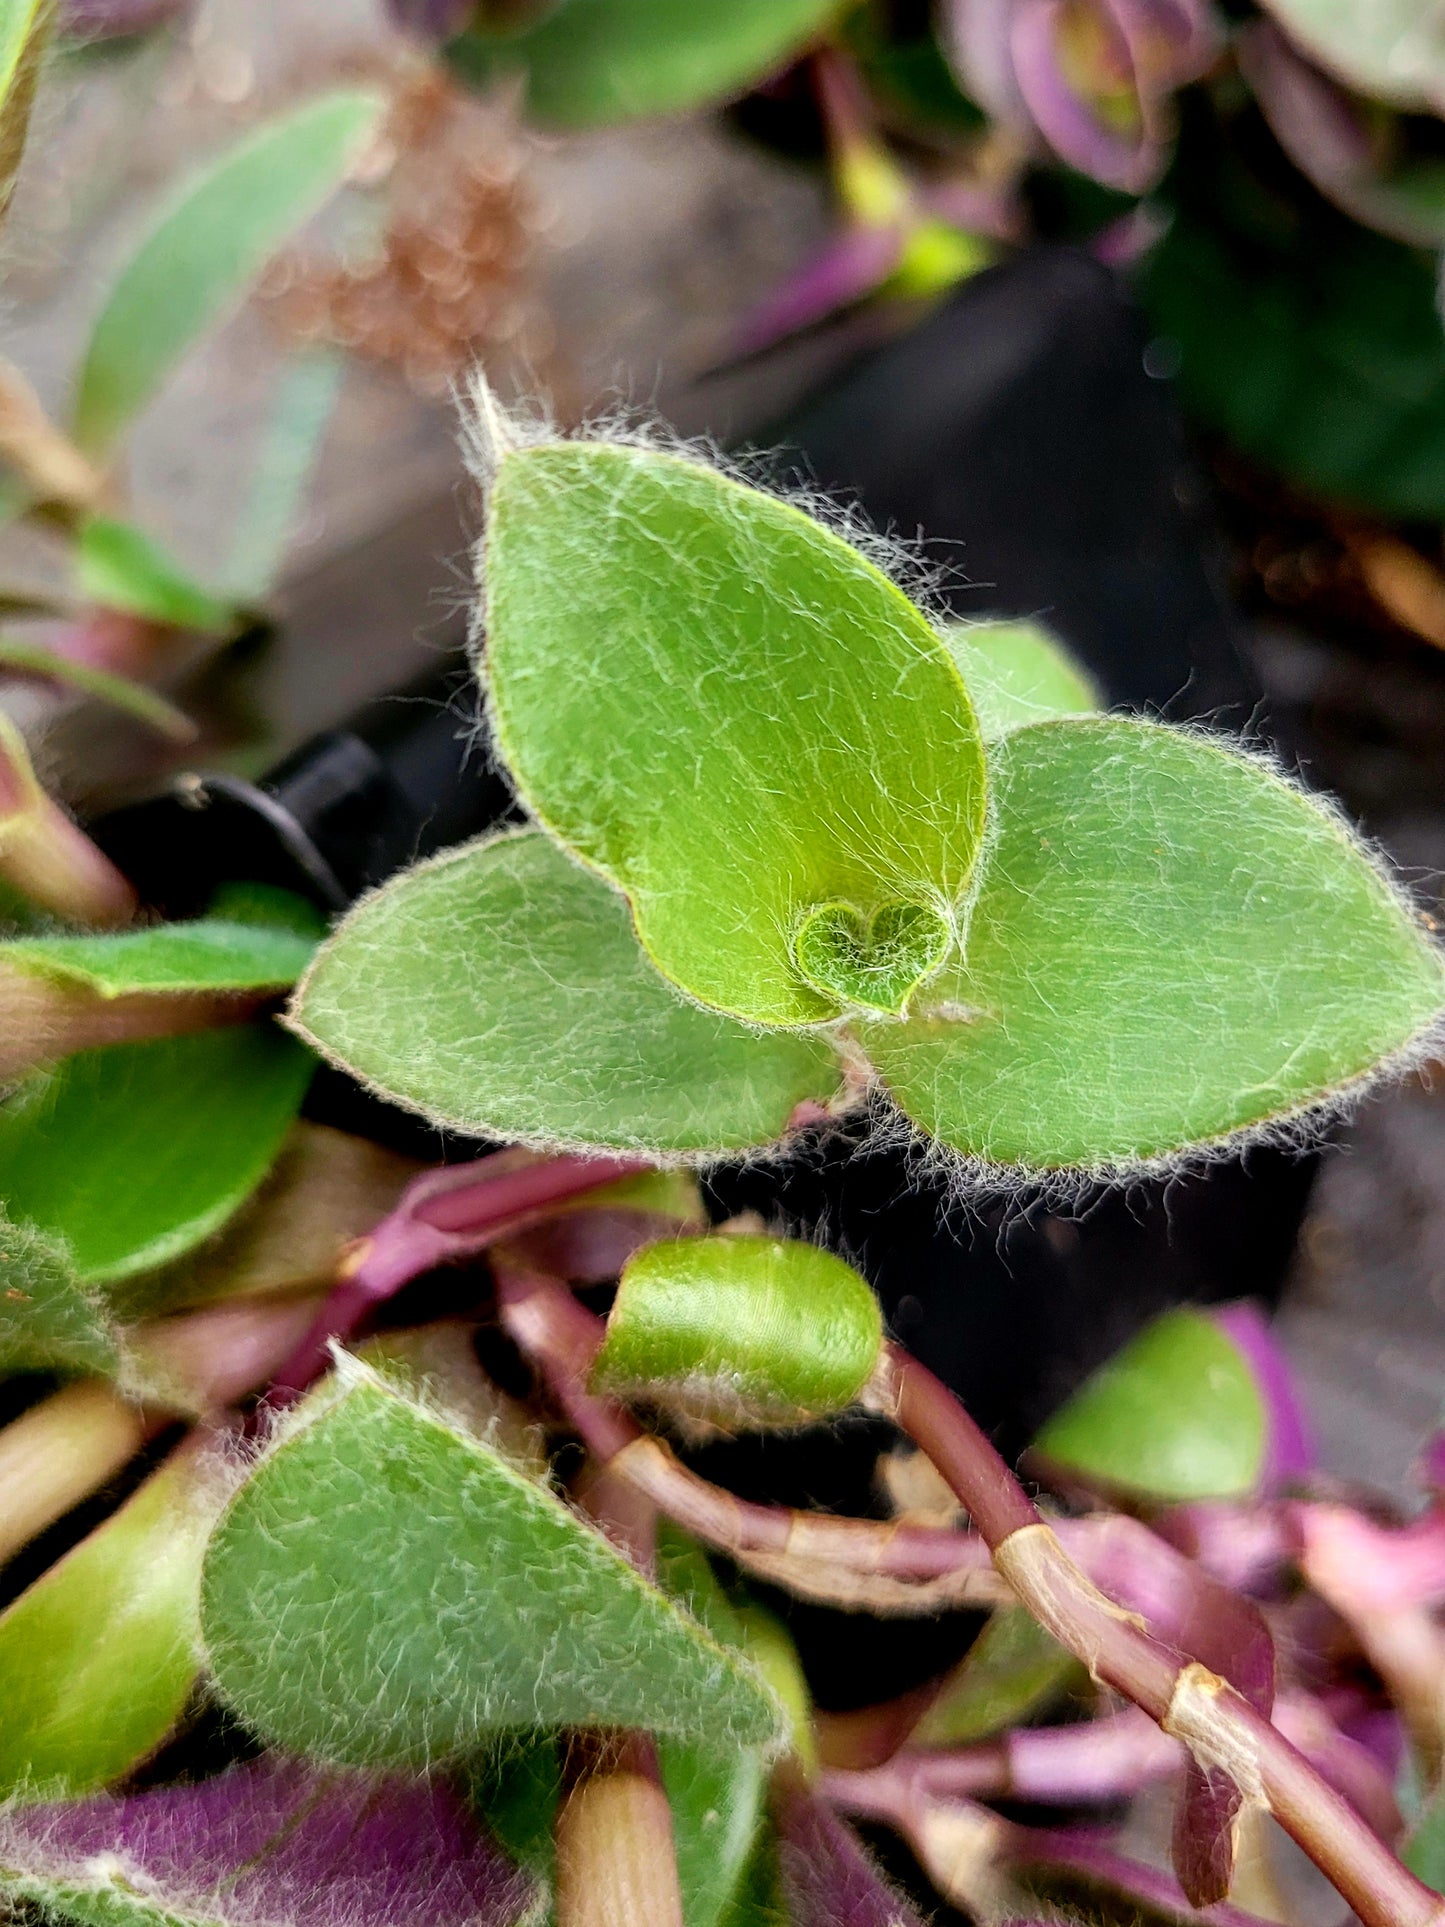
[849, 267]
[1088, 1856]
[441, 1216]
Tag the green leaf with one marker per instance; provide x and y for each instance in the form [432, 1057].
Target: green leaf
[1175, 1415]
[741, 722]
[135, 1153]
[118, 566]
[98, 1657]
[213, 953]
[531, 1013]
[1390, 49]
[267, 523]
[743, 1330]
[1018, 672]
[24, 32]
[1013, 1671]
[1313, 344]
[49, 1321]
[1424, 1851]
[131, 698]
[596, 61]
[1170, 944]
[385, 1589]
[206, 249]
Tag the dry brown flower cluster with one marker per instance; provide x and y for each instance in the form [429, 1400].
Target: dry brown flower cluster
[449, 277]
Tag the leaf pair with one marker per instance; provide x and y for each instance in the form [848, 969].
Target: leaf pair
[1091, 942]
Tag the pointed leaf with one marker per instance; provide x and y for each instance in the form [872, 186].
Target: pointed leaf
[531, 1013]
[99, 1656]
[213, 953]
[118, 566]
[386, 1590]
[49, 1321]
[1175, 1415]
[596, 61]
[1018, 672]
[1170, 944]
[207, 248]
[135, 1153]
[24, 31]
[270, 1844]
[738, 720]
[1013, 1671]
[743, 1330]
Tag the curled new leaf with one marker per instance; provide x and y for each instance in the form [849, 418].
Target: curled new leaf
[386, 1590]
[731, 713]
[1170, 944]
[1175, 1415]
[500, 990]
[761, 1331]
[1391, 49]
[265, 1845]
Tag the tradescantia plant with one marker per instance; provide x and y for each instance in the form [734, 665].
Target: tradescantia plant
[773, 860]
[792, 853]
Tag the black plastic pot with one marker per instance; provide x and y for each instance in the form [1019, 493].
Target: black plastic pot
[1020, 430]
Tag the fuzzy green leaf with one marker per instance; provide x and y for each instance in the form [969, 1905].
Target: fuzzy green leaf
[1017, 672]
[1012, 1672]
[716, 1792]
[1170, 944]
[386, 1590]
[25, 27]
[98, 1657]
[731, 713]
[49, 1321]
[745, 1330]
[1175, 1415]
[214, 953]
[207, 248]
[134, 1153]
[596, 61]
[119, 566]
[500, 990]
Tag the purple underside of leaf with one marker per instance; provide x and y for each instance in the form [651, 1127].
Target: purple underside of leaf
[975, 35]
[277, 1841]
[111, 19]
[1326, 132]
[1430, 1466]
[827, 1878]
[1289, 1449]
[850, 267]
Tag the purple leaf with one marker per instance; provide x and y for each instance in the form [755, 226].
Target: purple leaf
[1091, 1857]
[850, 267]
[112, 19]
[277, 1842]
[1203, 1845]
[1123, 150]
[1338, 141]
[976, 38]
[827, 1878]
[1289, 1454]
